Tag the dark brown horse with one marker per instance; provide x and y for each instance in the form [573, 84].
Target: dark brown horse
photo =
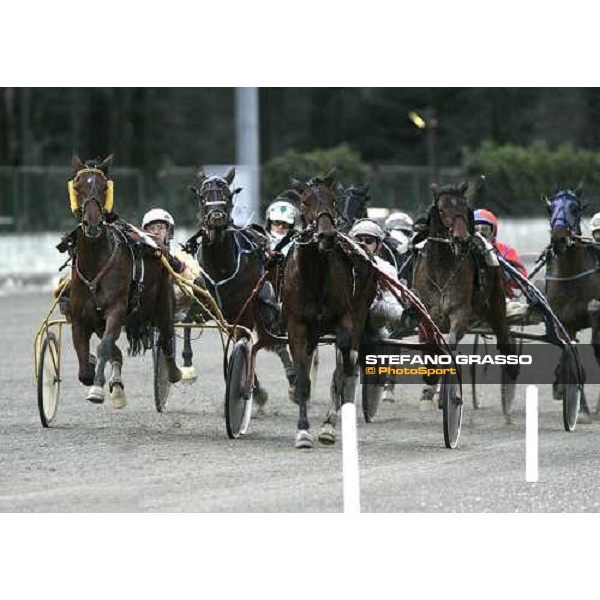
[232, 260]
[325, 291]
[101, 288]
[572, 270]
[456, 286]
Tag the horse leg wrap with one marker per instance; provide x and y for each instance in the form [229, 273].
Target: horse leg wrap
[96, 394]
[115, 377]
[349, 393]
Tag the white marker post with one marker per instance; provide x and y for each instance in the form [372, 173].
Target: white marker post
[350, 458]
[531, 434]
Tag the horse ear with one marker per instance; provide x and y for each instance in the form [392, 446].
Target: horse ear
[544, 198]
[298, 185]
[77, 162]
[106, 163]
[229, 176]
[200, 175]
[435, 190]
[579, 189]
[463, 187]
[329, 179]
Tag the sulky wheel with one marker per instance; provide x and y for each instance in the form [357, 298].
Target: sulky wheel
[571, 380]
[238, 399]
[48, 382]
[451, 400]
[371, 395]
[162, 385]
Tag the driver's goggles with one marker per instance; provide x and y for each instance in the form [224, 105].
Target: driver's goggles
[367, 239]
[484, 228]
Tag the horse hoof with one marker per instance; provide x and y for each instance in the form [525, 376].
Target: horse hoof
[174, 375]
[188, 374]
[96, 394]
[327, 434]
[261, 396]
[508, 420]
[304, 439]
[117, 396]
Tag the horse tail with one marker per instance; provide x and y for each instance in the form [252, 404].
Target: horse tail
[139, 333]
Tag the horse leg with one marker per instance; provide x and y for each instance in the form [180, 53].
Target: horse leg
[297, 333]
[115, 383]
[188, 371]
[594, 313]
[347, 351]
[114, 323]
[259, 393]
[164, 322]
[286, 360]
[327, 429]
[314, 370]
[505, 345]
[81, 341]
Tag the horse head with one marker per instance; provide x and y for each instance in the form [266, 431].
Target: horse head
[91, 194]
[216, 203]
[451, 211]
[317, 208]
[354, 206]
[564, 211]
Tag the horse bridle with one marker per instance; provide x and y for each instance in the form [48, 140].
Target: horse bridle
[564, 215]
[221, 204]
[348, 195]
[313, 186]
[93, 195]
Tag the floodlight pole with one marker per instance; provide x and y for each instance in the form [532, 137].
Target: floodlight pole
[247, 146]
[431, 140]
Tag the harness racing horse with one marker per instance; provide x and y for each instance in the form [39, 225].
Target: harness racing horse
[324, 291]
[354, 202]
[572, 272]
[102, 288]
[456, 285]
[232, 261]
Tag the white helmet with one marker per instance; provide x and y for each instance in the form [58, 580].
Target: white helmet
[399, 221]
[595, 222]
[159, 214]
[402, 239]
[366, 227]
[281, 210]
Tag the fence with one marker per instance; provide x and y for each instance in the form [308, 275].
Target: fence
[35, 198]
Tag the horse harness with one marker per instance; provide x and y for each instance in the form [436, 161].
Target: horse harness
[548, 254]
[463, 250]
[118, 234]
[244, 245]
